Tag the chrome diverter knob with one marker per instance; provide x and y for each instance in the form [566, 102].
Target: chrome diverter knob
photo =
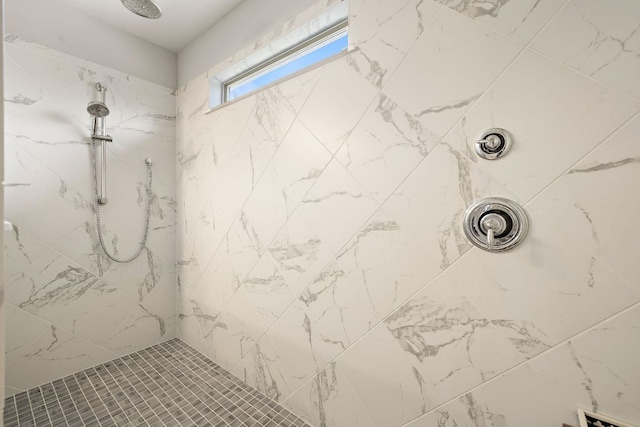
[495, 224]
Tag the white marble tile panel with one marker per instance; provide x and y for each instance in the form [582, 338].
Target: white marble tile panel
[260, 371]
[222, 279]
[21, 90]
[22, 330]
[57, 137]
[148, 323]
[299, 253]
[243, 245]
[448, 69]
[385, 147]
[329, 400]
[223, 347]
[439, 418]
[384, 32]
[268, 290]
[336, 103]
[592, 205]
[547, 108]
[48, 285]
[517, 398]
[21, 169]
[22, 249]
[55, 354]
[293, 92]
[336, 206]
[597, 370]
[97, 313]
[417, 233]
[519, 20]
[100, 356]
[243, 322]
[599, 39]
[53, 74]
[543, 292]
[430, 350]
[140, 276]
[297, 164]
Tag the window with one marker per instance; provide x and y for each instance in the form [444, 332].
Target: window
[295, 52]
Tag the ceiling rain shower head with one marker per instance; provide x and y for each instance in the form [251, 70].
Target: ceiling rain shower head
[145, 8]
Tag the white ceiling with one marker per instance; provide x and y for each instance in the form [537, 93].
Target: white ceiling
[181, 22]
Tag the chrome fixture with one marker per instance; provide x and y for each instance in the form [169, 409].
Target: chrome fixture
[493, 143]
[99, 111]
[495, 224]
[145, 8]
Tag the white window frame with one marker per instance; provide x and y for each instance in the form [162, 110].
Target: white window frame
[332, 22]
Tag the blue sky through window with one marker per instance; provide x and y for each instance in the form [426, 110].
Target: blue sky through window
[289, 68]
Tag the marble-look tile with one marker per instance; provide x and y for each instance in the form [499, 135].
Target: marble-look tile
[139, 277]
[97, 314]
[336, 103]
[441, 76]
[21, 90]
[148, 323]
[598, 39]
[437, 418]
[331, 401]
[323, 322]
[243, 322]
[11, 391]
[100, 356]
[597, 370]
[384, 32]
[268, 290]
[65, 208]
[411, 239]
[552, 290]
[21, 169]
[299, 253]
[55, 354]
[297, 164]
[547, 108]
[295, 91]
[243, 246]
[53, 74]
[260, 370]
[22, 330]
[590, 205]
[517, 398]
[224, 349]
[221, 277]
[47, 285]
[385, 147]
[336, 206]
[430, 350]
[264, 131]
[519, 20]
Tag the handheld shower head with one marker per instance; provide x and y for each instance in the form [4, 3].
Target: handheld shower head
[145, 8]
[98, 108]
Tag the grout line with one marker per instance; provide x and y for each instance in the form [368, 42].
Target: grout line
[526, 362]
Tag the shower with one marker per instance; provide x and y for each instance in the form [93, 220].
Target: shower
[99, 111]
[145, 8]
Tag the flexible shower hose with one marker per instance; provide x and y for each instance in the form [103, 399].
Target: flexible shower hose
[97, 209]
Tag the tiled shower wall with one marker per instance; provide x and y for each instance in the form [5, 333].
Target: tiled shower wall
[320, 248]
[68, 306]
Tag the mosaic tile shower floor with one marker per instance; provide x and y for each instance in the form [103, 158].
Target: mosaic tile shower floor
[169, 384]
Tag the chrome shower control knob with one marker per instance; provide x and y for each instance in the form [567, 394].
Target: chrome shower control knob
[493, 143]
[495, 224]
